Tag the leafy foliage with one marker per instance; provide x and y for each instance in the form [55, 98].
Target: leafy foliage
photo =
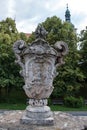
[23, 36]
[74, 102]
[83, 51]
[68, 82]
[83, 60]
[9, 71]
[31, 38]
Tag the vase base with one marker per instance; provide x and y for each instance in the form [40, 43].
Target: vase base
[38, 116]
[44, 122]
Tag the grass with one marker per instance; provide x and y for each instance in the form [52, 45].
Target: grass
[63, 108]
[7, 106]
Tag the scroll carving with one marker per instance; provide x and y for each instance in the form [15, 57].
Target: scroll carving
[62, 49]
[18, 48]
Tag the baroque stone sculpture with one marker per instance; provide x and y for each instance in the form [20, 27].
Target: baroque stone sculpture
[39, 61]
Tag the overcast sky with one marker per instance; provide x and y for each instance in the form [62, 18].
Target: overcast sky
[28, 13]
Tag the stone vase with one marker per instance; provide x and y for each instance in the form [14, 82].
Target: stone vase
[39, 61]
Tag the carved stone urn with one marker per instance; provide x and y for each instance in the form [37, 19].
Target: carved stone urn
[39, 61]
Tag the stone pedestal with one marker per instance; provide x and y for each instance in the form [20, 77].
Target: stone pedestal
[38, 116]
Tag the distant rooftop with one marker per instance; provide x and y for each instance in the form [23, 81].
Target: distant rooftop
[28, 34]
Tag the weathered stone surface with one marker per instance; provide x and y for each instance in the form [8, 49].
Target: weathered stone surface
[38, 61]
[38, 116]
[10, 120]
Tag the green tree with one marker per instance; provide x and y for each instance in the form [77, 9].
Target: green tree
[9, 71]
[31, 38]
[83, 60]
[23, 36]
[83, 51]
[68, 82]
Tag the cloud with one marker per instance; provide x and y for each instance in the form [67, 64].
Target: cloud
[26, 25]
[53, 5]
[28, 13]
[11, 8]
[3, 9]
[82, 25]
[78, 6]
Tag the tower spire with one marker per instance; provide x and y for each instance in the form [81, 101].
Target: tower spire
[67, 5]
[67, 14]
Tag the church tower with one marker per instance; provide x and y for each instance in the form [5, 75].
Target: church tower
[67, 15]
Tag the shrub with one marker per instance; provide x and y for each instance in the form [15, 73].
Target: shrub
[49, 101]
[74, 102]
